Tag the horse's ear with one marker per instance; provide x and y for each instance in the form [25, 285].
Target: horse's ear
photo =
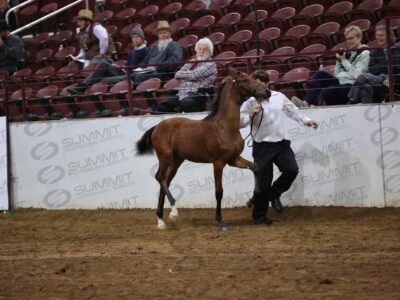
[232, 71]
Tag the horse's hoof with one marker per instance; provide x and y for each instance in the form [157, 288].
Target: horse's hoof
[173, 217]
[223, 227]
[161, 226]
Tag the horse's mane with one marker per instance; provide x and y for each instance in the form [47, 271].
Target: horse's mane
[215, 103]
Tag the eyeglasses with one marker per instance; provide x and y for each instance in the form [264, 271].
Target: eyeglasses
[349, 38]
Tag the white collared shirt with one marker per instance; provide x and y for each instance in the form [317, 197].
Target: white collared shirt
[272, 127]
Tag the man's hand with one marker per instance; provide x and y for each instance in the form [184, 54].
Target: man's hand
[312, 123]
[1, 42]
[340, 57]
[255, 110]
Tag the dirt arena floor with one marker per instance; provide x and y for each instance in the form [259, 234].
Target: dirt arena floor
[309, 253]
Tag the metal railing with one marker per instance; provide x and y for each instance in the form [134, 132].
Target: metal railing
[17, 7]
[52, 14]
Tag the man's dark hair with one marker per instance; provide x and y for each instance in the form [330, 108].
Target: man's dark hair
[261, 75]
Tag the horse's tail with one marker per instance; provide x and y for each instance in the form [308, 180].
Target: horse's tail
[144, 145]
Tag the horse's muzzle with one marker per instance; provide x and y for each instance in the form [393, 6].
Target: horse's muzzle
[265, 95]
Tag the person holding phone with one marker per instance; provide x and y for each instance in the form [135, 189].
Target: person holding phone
[349, 65]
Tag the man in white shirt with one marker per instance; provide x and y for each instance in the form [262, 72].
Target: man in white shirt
[271, 146]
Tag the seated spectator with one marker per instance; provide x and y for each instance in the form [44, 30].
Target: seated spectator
[106, 69]
[12, 20]
[349, 65]
[165, 52]
[11, 49]
[95, 42]
[195, 78]
[363, 88]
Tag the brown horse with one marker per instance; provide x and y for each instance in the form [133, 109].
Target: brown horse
[215, 139]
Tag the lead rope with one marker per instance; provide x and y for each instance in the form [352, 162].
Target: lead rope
[251, 127]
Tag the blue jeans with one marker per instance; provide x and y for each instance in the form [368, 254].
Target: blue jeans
[332, 91]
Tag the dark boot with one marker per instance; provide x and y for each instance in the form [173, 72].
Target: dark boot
[276, 202]
[80, 89]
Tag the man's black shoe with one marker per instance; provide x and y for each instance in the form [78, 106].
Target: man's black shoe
[276, 204]
[80, 89]
[263, 220]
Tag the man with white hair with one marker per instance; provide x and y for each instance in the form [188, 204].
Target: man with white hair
[196, 77]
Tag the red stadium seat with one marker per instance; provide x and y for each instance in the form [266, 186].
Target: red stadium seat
[267, 40]
[267, 5]
[338, 13]
[273, 76]
[116, 5]
[145, 15]
[392, 9]
[293, 37]
[243, 7]
[199, 27]
[246, 64]
[169, 12]
[222, 60]
[39, 105]
[308, 16]
[123, 17]
[277, 59]
[249, 22]
[323, 34]
[216, 38]
[225, 24]
[145, 95]
[116, 98]
[293, 82]
[309, 57]
[281, 18]
[191, 9]
[104, 17]
[289, 3]
[367, 10]
[187, 43]
[179, 25]
[216, 8]
[236, 42]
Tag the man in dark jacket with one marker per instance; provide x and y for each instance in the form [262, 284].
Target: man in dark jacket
[11, 49]
[365, 84]
[166, 52]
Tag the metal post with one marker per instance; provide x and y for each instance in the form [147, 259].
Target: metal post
[257, 37]
[390, 60]
[130, 88]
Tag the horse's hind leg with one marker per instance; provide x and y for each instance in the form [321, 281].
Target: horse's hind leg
[165, 174]
[218, 169]
[173, 215]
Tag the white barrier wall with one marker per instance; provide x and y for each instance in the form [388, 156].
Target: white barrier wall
[92, 163]
[4, 203]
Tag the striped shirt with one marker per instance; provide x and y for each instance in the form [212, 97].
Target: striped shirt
[202, 75]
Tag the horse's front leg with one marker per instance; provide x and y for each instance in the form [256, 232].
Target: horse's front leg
[243, 163]
[218, 169]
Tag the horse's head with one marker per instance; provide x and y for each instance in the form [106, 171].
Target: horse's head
[249, 86]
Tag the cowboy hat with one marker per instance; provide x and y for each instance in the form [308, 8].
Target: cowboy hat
[85, 14]
[163, 25]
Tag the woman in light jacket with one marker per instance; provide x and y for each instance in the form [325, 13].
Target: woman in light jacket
[349, 65]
